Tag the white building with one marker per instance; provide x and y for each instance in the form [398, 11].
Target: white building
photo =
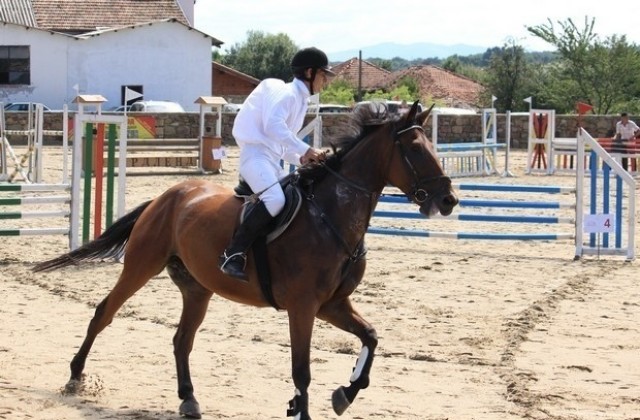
[164, 59]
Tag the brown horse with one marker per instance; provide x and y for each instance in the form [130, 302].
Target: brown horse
[316, 264]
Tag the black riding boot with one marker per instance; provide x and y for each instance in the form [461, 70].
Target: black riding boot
[234, 259]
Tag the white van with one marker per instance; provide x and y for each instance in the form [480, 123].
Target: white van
[156, 106]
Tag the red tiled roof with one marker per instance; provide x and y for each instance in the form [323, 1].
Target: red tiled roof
[79, 16]
[373, 77]
[443, 85]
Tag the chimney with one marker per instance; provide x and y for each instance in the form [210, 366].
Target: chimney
[187, 7]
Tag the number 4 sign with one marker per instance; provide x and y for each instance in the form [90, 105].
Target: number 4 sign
[599, 223]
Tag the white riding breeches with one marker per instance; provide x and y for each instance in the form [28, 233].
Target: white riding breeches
[262, 173]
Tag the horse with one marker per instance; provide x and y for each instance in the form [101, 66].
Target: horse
[315, 264]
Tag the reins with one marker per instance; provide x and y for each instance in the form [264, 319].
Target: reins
[420, 195]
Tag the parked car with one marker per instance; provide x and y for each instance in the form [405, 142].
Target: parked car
[393, 107]
[156, 106]
[120, 108]
[328, 108]
[233, 108]
[23, 106]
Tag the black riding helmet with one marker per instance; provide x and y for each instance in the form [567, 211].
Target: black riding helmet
[312, 58]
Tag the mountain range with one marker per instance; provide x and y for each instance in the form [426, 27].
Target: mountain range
[389, 50]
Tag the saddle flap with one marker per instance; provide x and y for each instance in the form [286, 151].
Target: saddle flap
[293, 202]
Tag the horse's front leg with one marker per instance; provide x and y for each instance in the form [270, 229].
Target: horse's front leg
[342, 314]
[301, 321]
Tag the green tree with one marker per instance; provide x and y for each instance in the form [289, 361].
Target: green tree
[509, 78]
[452, 64]
[602, 73]
[262, 55]
[338, 92]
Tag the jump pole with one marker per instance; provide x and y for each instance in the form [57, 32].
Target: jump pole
[477, 216]
[83, 123]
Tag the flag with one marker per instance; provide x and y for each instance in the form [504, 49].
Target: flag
[493, 98]
[528, 100]
[583, 108]
[130, 94]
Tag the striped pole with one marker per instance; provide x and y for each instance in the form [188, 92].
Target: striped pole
[88, 168]
[479, 217]
[98, 173]
[20, 201]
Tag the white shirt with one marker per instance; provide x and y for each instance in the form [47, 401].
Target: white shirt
[627, 131]
[270, 118]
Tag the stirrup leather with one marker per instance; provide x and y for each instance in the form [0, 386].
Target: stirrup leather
[228, 258]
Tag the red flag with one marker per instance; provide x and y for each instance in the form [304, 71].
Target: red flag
[583, 108]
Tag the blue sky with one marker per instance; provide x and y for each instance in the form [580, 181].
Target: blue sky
[337, 25]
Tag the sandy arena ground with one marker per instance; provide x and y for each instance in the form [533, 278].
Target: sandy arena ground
[468, 330]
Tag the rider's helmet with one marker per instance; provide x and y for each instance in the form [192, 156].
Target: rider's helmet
[310, 58]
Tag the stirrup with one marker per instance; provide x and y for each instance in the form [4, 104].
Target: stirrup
[237, 272]
[228, 258]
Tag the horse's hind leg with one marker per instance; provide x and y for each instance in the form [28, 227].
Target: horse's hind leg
[344, 316]
[130, 281]
[195, 300]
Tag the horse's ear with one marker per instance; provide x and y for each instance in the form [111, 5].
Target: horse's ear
[424, 116]
[411, 115]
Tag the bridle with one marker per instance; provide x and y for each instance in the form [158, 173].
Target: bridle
[419, 194]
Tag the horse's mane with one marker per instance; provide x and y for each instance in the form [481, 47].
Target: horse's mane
[363, 122]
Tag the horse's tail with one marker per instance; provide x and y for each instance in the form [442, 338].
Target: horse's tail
[108, 245]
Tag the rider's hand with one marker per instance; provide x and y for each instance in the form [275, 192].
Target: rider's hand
[313, 155]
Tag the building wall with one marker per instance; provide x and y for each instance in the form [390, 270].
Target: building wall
[169, 60]
[48, 66]
[229, 86]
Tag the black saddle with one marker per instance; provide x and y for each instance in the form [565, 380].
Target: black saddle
[293, 197]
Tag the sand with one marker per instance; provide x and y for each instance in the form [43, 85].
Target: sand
[468, 330]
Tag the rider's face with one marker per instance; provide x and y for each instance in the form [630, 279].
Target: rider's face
[321, 81]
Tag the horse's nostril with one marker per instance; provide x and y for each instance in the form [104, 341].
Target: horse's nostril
[451, 200]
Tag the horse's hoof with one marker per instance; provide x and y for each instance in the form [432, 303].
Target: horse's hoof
[190, 409]
[339, 401]
[72, 387]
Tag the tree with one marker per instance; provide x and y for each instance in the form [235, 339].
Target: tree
[509, 77]
[262, 55]
[338, 92]
[601, 73]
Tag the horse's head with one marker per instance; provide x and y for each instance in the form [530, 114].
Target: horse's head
[415, 168]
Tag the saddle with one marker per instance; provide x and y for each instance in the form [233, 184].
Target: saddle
[293, 202]
[293, 197]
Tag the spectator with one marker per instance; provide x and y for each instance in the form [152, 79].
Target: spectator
[625, 130]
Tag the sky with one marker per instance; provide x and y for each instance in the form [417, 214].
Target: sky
[338, 25]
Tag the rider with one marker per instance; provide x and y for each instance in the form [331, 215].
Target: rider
[265, 129]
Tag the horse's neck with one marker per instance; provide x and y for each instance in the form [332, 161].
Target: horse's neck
[367, 165]
[350, 198]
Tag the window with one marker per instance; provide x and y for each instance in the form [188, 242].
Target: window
[15, 65]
